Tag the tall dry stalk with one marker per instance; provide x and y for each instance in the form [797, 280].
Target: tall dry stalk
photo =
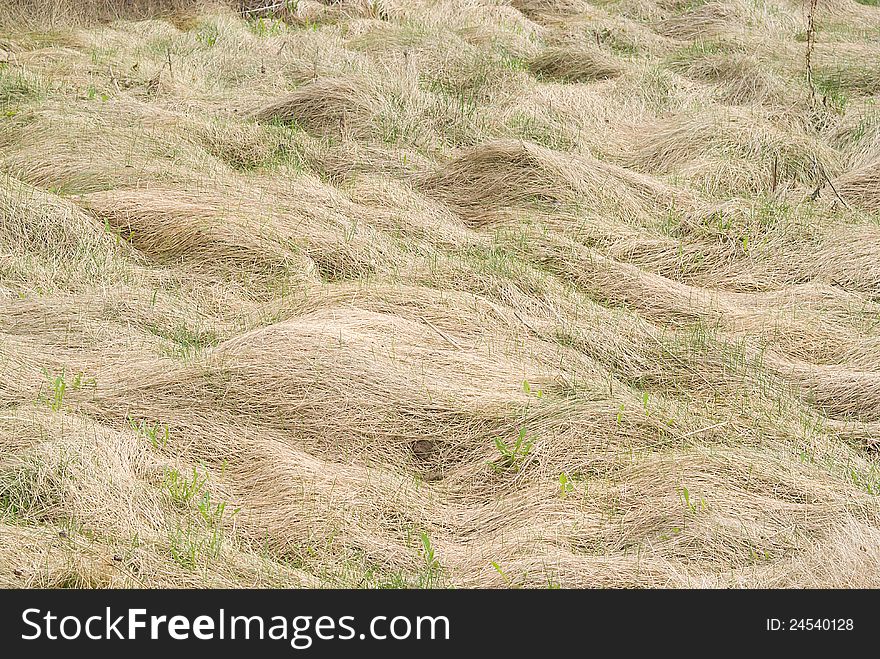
[811, 42]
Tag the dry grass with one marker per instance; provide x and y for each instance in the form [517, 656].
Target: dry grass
[584, 294]
[575, 65]
[862, 186]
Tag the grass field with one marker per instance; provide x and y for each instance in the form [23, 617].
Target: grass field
[459, 293]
